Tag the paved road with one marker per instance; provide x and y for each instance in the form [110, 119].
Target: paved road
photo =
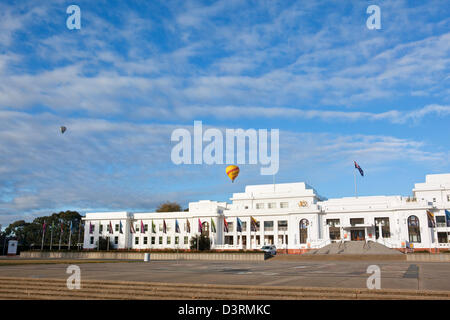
[347, 274]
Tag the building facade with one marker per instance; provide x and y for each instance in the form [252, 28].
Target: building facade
[291, 216]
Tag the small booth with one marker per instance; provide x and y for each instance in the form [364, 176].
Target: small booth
[12, 247]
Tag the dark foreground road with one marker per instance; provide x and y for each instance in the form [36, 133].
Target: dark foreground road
[337, 274]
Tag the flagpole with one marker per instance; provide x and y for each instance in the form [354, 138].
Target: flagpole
[79, 233]
[43, 235]
[51, 237]
[60, 236]
[70, 235]
[356, 190]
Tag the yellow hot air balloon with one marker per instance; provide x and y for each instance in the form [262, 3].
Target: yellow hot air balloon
[232, 172]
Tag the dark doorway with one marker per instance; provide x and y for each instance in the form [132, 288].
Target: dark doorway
[357, 235]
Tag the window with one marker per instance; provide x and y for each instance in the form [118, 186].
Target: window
[116, 240]
[101, 229]
[136, 240]
[284, 204]
[160, 227]
[160, 240]
[229, 240]
[272, 205]
[434, 199]
[304, 230]
[145, 240]
[168, 240]
[268, 239]
[92, 240]
[440, 221]
[282, 225]
[244, 226]
[186, 239]
[257, 227]
[146, 227]
[260, 206]
[442, 237]
[334, 230]
[117, 227]
[385, 229]
[268, 226]
[448, 197]
[176, 240]
[93, 228]
[414, 229]
[137, 228]
[153, 240]
[230, 226]
[355, 221]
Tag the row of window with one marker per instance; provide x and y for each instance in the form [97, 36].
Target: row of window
[268, 226]
[271, 205]
[168, 240]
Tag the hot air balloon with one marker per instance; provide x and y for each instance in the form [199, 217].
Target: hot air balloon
[232, 172]
[63, 129]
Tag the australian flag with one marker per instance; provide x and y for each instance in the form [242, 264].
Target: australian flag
[447, 216]
[359, 168]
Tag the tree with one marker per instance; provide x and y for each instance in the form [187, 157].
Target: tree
[204, 242]
[169, 207]
[31, 233]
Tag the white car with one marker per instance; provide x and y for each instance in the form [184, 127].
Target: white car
[270, 249]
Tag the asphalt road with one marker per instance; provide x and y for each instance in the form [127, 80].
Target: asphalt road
[341, 274]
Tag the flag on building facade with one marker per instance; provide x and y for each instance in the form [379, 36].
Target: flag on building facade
[120, 227]
[238, 225]
[213, 226]
[253, 223]
[164, 226]
[177, 227]
[200, 227]
[431, 222]
[110, 227]
[44, 226]
[153, 227]
[188, 226]
[359, 168]
[90, 228]
[62, 228]
[447, 216]
[142, 227]
[225, 225]
[132, 228]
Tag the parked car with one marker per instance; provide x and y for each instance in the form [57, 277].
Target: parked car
[270, 249]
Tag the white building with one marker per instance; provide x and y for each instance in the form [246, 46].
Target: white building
[291, 216]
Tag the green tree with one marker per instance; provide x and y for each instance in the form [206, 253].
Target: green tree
[204, 242]
[169, 207]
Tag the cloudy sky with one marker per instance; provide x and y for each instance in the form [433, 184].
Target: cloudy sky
[137, 70]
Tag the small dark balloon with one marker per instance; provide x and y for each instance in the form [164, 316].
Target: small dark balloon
[63, 129]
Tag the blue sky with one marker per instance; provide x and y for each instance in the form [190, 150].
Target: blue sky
[137, 70]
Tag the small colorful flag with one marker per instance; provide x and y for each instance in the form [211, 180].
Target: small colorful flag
[90, 228]
[239, 225]
[177, 227]
[225, 225]
[200, 227]
[110, 227]
[431, 222]
[253, 223]
[132, 228]
[359, 168]
[213, 226]
[188, 226]
[164, 226]
[447, 216]
[120, 227]
[62, 228]
[153, 227]
[44, 226]
[142, 227]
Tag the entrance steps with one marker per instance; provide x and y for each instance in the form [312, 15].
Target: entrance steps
[44, 288]
[354, 247]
